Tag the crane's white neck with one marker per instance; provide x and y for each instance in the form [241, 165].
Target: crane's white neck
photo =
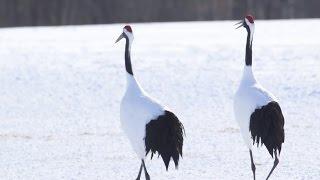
[133, 85]
[248, 75]
[251, 28]
[127, 54]
[129, 37]
[130, 40]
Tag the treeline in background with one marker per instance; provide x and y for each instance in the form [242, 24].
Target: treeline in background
[69, 12]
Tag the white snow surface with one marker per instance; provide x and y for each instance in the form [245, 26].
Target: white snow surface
[61, 89]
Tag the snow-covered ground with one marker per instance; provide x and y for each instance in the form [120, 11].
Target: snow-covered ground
[60, 89]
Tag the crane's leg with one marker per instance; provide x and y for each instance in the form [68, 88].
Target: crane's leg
[276, 162]
[253, 167]
[145, 171]
[138, 178]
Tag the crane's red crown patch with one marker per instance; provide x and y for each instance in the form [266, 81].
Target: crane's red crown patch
[250, 18]
[128, 28]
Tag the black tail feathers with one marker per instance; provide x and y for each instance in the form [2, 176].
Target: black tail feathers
[266, 126]
[165, 136]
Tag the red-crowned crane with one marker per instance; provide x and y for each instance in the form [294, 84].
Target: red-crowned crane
[257, 110]
[148, 125]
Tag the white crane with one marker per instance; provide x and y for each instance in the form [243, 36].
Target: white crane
[257, 110]
[148, 125]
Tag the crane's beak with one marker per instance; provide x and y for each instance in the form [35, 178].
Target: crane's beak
[120, 37]
[240, 24]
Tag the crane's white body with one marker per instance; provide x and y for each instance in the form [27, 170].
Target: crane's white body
[136, 110]
[249, 96]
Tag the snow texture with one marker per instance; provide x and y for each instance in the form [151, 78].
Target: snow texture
[61, 89]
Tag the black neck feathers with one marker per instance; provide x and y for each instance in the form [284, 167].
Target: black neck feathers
[249, 49]
[127, 57]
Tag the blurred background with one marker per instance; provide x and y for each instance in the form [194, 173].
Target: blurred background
[76, 12]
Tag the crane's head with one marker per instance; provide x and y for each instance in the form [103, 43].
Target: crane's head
[127, 33]
[247, 23]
